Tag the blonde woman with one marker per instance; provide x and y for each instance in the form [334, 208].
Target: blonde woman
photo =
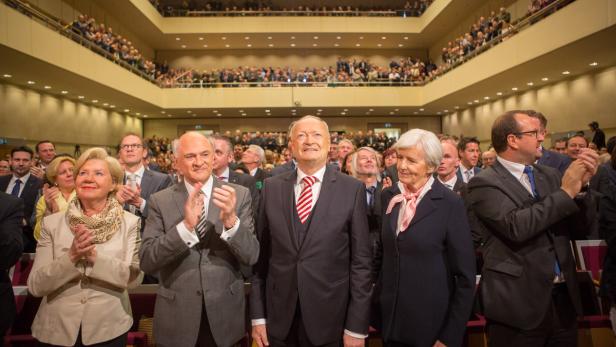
[86, 258]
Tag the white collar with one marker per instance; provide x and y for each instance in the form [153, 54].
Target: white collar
[516, 169]
[225, 173]
[463, 168]
[139, 173]
[319, 175]
[23, 179]
[450, 183]
[206, 188]
[254, 171]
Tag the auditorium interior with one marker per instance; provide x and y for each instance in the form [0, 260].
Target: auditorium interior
[82, 73]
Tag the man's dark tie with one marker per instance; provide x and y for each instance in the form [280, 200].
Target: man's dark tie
[16, 187]
[528, 170]
[370, 191]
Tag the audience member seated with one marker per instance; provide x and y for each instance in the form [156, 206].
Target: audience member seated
[58, 193]
[85, 260]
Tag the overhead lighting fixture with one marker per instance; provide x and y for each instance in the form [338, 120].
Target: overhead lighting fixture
[201, 39]
[499, 93]
[415, 112]
[126, 110]
[247, 38]
[438, 112]
[476, 101]
[64, 92]
[169, 116]
[336, 45]
[545, 79]
[204, 46]
[343, 113]
[400, 45]
[566, 72]
[183, 46]
[7, 75]
[31, 82]
[421, 109]
[94, 101]
[338, 37]
[292, 37]
[530, 84]
[316, 37]
[113, 106]
[269, 37]
[457, 107]
[392, 113]
[145, 116]
[314, 45]
[514, 89]
[379, 45]
[486, 98]
[271, 45]
[224, 37]
[361, 37]
[47, 87]
[397, 110]
[319, 110]
[177, 39]
[292, 45]
[371, 110]
[445, 111]
[594, 63]
[189, 111]
[406, 37]
[227, 46]
[470, 103]
[163, 112]
[249, 45]
[138, 114]
[346, 110]
[383, 37]
[218, 115]
[267, 111]
[80, 97]
[357, 45]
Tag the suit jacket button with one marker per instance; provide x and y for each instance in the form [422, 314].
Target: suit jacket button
[84, 300]
[199, 292]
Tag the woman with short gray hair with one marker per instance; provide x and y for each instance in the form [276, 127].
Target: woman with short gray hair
[428, 267]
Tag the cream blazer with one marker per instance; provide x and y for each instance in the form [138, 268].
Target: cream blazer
[93, 297]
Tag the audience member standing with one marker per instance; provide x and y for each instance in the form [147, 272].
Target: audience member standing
[312, 285]
[598, 136]
[46, 151]
[546, 157]
[11, 247]
[446, 172]
[428, 271]
[575, 144]
[344, 148]
[24, 185]
[253, 159]
[5, 167]
[468, 149]
[528, 290]
[197, 235]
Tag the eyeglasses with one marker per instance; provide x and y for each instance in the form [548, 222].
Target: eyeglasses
[131, 146]
[533, 133]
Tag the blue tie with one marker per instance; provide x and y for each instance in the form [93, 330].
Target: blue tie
[528, 170]
[15, 191]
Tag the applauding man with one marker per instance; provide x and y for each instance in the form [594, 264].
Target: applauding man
[198, 233]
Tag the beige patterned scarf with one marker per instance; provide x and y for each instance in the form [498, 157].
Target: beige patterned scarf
[103, 224]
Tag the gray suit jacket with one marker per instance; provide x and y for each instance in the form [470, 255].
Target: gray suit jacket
[207, 273]
[151, 182]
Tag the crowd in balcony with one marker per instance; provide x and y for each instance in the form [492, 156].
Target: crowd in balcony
[413, 8]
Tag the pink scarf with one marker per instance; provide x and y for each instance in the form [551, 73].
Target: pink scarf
[410, 206]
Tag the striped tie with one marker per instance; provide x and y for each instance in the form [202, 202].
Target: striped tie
[201, 229]
[304, 203]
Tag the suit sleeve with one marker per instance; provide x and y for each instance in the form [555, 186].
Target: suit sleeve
[161, 243]
[516, 223]
[11, 234]
[358, 310]
[121, 272]
[461, 260]
[257, 289]
[244, 243]
[50, 271]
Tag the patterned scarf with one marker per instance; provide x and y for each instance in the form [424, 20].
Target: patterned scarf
[103, 224]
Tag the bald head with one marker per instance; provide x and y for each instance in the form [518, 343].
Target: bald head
[194, 157]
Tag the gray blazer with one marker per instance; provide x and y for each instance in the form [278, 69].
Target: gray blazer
[206, 274]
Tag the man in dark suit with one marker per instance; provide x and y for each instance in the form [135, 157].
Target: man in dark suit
[448, 168]
[22, 184]
[468, 150]
[198, 234]
[544, 156]
[528, 291]
[223, 156]
[11, 247]
[313, 283]
[139, 182]
[253, 159]
[598, 136]
[288, 166]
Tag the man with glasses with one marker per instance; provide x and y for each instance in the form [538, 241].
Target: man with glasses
[139, 182]
[526, 214]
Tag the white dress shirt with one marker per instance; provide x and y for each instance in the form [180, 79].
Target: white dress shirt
[138, 177]
[426, 188]
[517, 170]
[467, 174]
[23, 180]
[224, 175]
[450, 183]
[254, 171]
[190, 237]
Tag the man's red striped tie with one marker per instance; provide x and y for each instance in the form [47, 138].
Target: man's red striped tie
[304, 203]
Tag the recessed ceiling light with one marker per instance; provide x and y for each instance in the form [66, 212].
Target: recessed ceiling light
[7, 75]
[267, 110]
[357, 45]
[438, 112]
[486, 98]
[338, 37]
[470, 103]
[95, 101]
[476, 101]
[406, 37]
[271, 45]
[145, 116]
[391, 112]
[249, 45]
[169, 116]
[336, 45]
[319, 110]
[379, 45]
[371, 110]
[47, 87]
[269, 37]
[138, 114]
[201, 39]
[346, 110]
[81, 97]
[499, 93]
[415, 112]
[189, 111]
[445, 111]
[566, 72]
[183, 46]
[316, 37]
[205, 46]
[343, 113]
[224, 37]
[397, 110]
[227, 46]
[292, 37]
[163, 112]
[545, 79]
[113, 106]
[218, 115]
[126, 110]
[421, 109]
[400, 45]
[31, 82]
[292, 45]
[514, 88]
[247, 38]
[594, 63]
[383, 37]
[530, 84]
[314, 45]
[361, 37]
[215, 111]
[64, 92]
[177, 39]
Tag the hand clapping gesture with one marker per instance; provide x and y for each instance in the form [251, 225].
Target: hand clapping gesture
[193, 207]
[224, 197]
[82, 246]
[50, 195]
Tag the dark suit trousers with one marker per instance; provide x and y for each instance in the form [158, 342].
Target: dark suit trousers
[205, 339]
[558, 328]
[297, 335]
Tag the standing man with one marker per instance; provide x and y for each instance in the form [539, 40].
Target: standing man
[560, 146]
[223, 155]
[198, 234]
[345, 147]
[544, 156]
[598, 136]
[139, 182]
[528, 289]
[253, 159]
[46, 151]
[448, 168]
[11, 247]
[468, 150]
[575, 144]
[22, 184]
[312, 285]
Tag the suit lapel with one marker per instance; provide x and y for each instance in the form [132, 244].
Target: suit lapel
[541, 183]
[517, 191]
[180, 197]
[213, 211]
[287, 196]
[233, 177]
[395, 211]
[146, 183]
[327, 192]
[426, 205]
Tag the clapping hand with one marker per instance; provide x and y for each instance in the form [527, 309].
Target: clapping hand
[83, 246]
[193, 207]
[224, 197]
[50, 195]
